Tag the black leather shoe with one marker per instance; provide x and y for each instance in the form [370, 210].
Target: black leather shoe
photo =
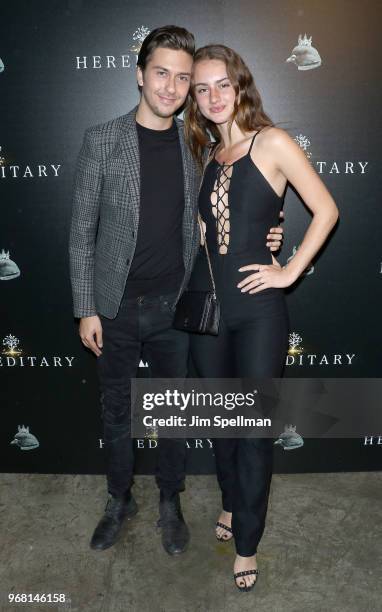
[117, 509]
[175, 533]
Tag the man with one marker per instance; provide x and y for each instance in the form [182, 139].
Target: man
[133, 241]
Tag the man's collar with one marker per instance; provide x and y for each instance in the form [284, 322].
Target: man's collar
[130, 120]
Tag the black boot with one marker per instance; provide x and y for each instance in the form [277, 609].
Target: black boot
[107, 530]
[175, 533]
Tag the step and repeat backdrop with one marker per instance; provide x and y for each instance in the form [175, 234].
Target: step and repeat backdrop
[68, 64]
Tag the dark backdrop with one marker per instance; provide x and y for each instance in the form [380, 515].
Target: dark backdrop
[66, 65]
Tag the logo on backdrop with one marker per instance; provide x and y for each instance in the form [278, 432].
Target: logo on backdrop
[1, 65]
[304, 144]
[309, 270]
[8, 268]
[298, 356]
[13, 356]
[138, 38]
[331, 167]
[126, 60]
[151, 443]
[24, 439]
[304, 56]
[27, 171]
[289, 439]
[372, 441]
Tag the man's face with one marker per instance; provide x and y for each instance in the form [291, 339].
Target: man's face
[165, 81]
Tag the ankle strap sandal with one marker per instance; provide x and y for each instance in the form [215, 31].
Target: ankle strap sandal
[223, 526]
[245, 588]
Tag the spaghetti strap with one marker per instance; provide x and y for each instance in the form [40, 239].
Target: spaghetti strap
[253, 140]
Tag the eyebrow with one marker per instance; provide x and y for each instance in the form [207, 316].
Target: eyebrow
[166, 70]
[218, 81]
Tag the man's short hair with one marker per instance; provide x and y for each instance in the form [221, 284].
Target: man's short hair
[170, 37]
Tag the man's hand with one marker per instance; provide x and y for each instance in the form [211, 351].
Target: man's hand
[275, 236]
[90, 327]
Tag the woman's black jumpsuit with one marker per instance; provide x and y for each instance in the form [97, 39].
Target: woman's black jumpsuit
[239, 206]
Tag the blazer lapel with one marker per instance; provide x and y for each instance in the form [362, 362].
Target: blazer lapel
[130, 149]
[189, 214]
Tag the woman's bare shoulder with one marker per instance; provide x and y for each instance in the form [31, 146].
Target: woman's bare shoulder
[274, 136]
[276, 141]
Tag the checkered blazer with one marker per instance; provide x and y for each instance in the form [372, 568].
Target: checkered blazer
[105, 215]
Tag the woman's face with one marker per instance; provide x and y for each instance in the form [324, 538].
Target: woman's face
[214, 93]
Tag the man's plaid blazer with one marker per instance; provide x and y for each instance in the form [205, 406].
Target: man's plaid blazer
[105, 215]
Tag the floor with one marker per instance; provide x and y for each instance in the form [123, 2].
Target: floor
[321, 550]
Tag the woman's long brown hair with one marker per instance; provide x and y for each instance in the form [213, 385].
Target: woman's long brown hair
[248, 108]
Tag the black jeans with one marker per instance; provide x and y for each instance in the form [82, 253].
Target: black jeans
[142, 326]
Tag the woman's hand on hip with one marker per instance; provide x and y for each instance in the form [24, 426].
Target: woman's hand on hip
[264, 277]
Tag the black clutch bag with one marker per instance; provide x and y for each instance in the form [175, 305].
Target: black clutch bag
[199, 311]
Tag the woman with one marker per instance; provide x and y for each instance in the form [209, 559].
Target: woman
[241, 196]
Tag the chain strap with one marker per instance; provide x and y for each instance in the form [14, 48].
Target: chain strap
[208, 255]
[202, 233]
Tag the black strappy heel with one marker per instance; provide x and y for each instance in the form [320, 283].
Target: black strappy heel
[223, 526]
[246, 573]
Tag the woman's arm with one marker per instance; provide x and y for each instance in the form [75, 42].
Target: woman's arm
[293, 164]
[290, 161]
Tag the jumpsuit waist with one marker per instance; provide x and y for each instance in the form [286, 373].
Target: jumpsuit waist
[225, 269]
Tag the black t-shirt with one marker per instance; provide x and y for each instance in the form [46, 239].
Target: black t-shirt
[157, 267]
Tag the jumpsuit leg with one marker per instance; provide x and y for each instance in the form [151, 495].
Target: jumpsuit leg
[260, 353]
[212, 358]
